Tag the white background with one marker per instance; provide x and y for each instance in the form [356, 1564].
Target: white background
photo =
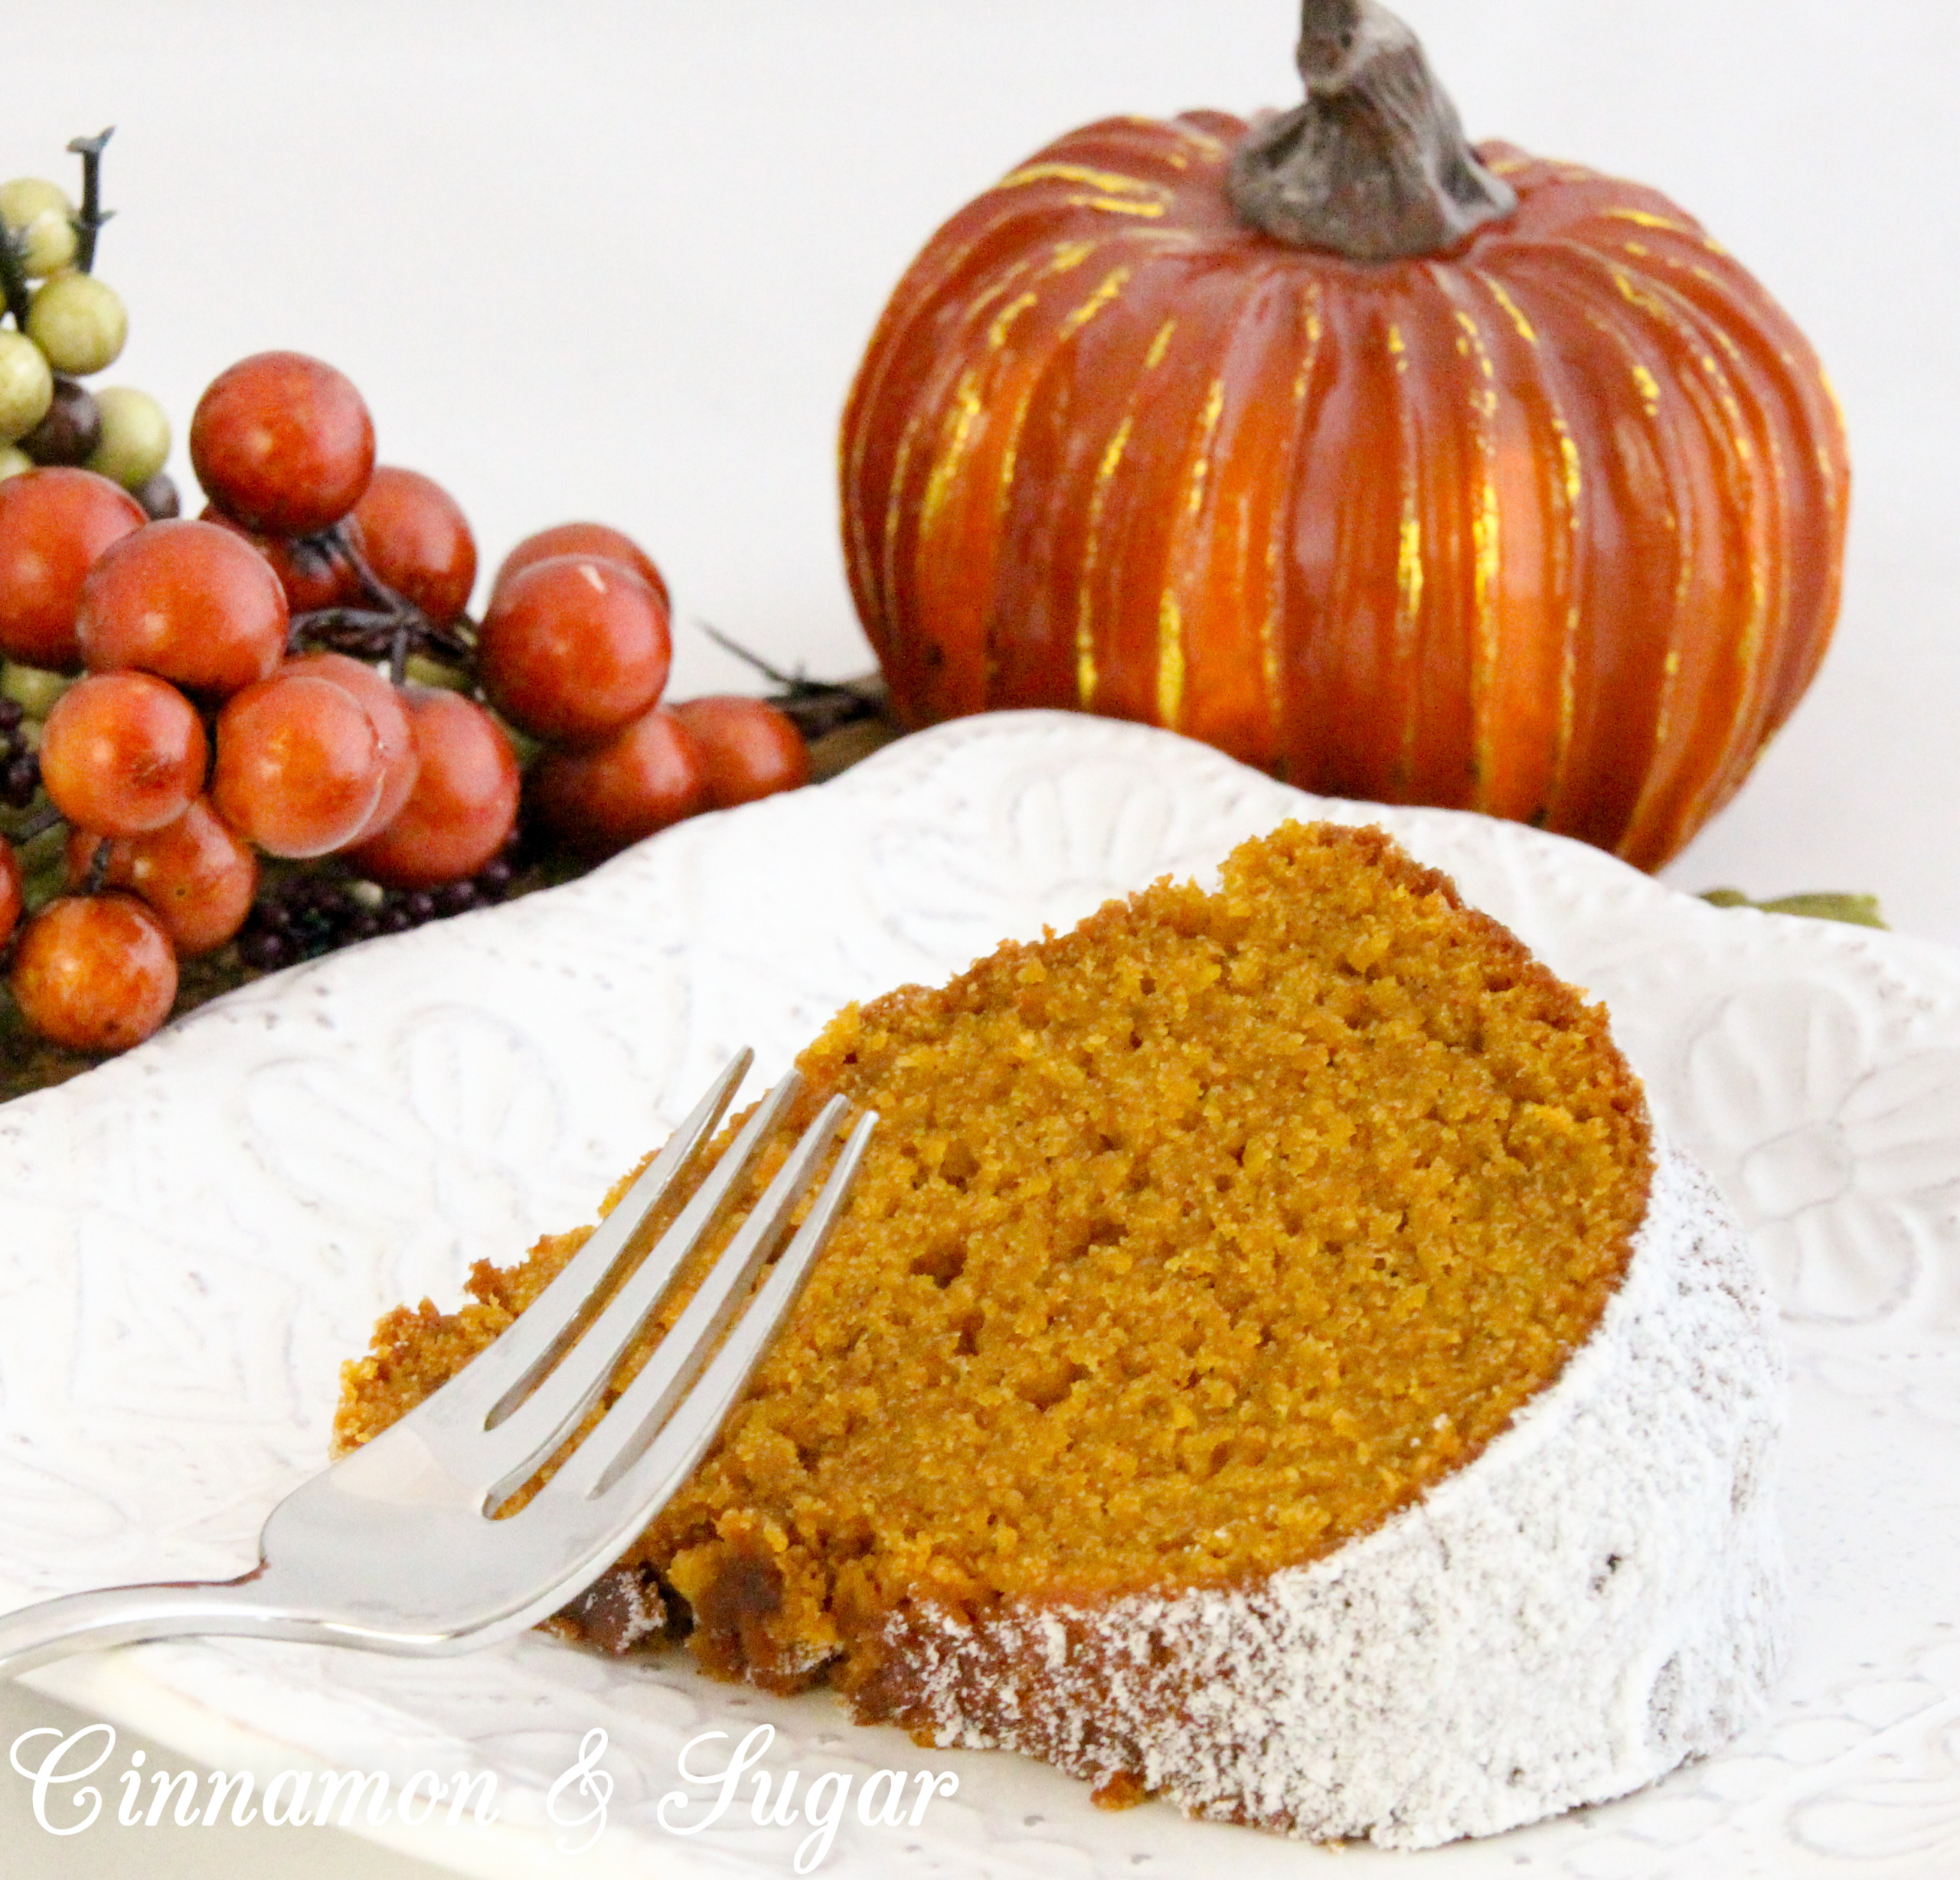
[618, 257]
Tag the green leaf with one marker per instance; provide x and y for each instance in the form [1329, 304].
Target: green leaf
[1859, 910]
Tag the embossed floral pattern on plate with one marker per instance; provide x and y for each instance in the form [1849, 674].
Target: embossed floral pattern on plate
[197, 1235]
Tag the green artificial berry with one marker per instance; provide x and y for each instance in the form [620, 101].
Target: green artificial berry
[13, 461]
[27, 387]
[41, 219]
[79, 322]
[423, 670]
[136, 436]
[34, 688]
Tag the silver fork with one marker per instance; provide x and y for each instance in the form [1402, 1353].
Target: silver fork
[394, 1549]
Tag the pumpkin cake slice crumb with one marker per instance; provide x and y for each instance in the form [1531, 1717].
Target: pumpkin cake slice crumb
[1268, 1359]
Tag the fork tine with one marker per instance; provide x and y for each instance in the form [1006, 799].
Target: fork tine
[389, 1550]
[667, 1416]
[490, 1386]
[508, 1454]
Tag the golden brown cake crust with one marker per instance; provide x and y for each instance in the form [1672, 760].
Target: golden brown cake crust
[1193, 1244]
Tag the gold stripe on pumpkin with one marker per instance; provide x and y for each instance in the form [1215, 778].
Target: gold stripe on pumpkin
[1633, 295]
[1011, 454]
[865, 397]
[1410, 574]
[1316, 329]
[1070, 255]
[1638, 829]
[1641, 219]
[921, 287]
[1170, 658]
[1409, 599]
[1207, 425]
[895, 507]
[1170, 662]
[1312, 328]
[974, 316]
[1569, 641]
[1107, 289]
[996, 334]
[1680, 318]
[1485, 539]
[1408, 562]
[1663, 723]
[1109, 205]
[1160, 345]
[1085, 639]
[945, 464]
[1568, 454]
[957, 442]
[1268, 649]
[1495, 288]
[1755, 630]
[1110, 182]
[1570, 486]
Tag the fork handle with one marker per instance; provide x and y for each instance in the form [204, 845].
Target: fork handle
[134, 1615]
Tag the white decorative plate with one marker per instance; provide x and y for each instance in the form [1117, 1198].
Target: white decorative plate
[194, 1237]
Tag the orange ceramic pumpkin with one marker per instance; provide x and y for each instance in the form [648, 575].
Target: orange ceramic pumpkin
[1499, 486]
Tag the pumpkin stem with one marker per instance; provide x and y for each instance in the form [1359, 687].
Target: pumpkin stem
[1374, 165]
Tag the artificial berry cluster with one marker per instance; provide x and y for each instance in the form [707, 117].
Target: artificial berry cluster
[275, 729]
[573, 650]
[231, 734]
[303, 914]
[67, 326]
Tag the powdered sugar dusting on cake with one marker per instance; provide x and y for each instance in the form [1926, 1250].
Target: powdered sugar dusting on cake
[1596, 1596]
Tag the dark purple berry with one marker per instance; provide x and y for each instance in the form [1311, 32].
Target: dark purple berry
[71, 429]
[262, 951]
[159, 498]
[22, 779]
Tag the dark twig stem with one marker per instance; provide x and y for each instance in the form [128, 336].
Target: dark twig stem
[88, 223]
[338, 630]
[13, 278]
[392, 629]
[793, 682]
[43, 820]
[377, 589]
[98, 868]
[817, 706]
